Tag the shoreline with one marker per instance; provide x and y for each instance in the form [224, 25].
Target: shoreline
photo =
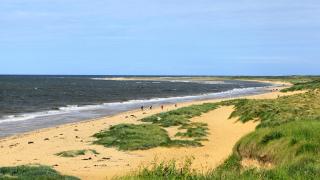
[43, 120]
[181, 104]
[78, 135]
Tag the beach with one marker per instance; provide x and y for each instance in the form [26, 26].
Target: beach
[40, 147]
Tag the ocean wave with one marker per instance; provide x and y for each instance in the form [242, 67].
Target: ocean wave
[131, 103]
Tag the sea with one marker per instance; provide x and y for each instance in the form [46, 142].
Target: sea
[29, 103]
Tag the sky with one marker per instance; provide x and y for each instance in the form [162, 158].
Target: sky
[160, 37]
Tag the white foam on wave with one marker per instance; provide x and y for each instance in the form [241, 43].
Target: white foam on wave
[61, 110]
[131, 103]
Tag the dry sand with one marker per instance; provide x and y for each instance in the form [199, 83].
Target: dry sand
[35, 148]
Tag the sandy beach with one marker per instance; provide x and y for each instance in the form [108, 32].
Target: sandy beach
[40, 147]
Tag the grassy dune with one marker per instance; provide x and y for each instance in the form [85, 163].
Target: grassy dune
[308, 85]
[152, 133]
[32, 173]
[286, 144]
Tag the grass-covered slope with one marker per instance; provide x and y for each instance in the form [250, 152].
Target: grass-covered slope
[292, 148]
[146, 136]
[133, 137]
[285, 146]
[274, 112]
[32, 173]
[309, 85]
[139, 137]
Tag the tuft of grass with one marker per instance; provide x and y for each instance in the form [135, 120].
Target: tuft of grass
[75, 153]
[194, 130]
[165, 170]
[32, 173]
[184, 143]
[271, 136]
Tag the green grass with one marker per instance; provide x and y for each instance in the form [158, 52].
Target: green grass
[32, 173]
[133, 137]
[164, 170]
[283, 145]
[139, 137]
[274, 112]
[309, 85]
[146, 136]
[194, 130]
[75, 153]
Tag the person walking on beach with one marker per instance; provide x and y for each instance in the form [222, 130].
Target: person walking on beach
[142, 108]
[151, 107]
[162, 107]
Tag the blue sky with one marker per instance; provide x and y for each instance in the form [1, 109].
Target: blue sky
[157, 37]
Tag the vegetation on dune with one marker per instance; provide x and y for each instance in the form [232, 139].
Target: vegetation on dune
[309, 85]
[286, 145]
[194, 130]
[133, 137]
[139, 137]
[146, 136]
[164, 170]
[274, 112]
[180, 116]
[75, 153]
[32, 173]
